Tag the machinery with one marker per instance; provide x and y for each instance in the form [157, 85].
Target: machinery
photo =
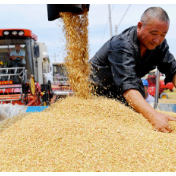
[24, 85]
[54, 9]
[152, 86]
[59, 81]
[27, 84]
[151, 78]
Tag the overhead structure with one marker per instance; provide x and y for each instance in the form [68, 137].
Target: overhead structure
[54, 9]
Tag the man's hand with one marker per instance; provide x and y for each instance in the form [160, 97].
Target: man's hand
[13, 57]
[160, 122]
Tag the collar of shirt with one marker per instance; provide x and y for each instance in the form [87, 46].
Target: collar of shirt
[135, 40]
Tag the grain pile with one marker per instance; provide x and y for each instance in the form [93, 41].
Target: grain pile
[10, 121]
[98, 134]
[81, 133]
[76, 33]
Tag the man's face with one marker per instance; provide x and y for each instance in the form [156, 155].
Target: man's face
[17, 48]
[152, 34]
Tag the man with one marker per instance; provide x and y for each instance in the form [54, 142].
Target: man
[150, 99]
[17, 57]
[120, 63]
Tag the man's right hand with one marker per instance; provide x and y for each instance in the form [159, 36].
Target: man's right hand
[160, 122]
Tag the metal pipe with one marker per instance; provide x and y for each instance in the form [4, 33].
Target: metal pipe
[157, 89]
[10, 87]
[33, 101]
[61, 82]
[110, 24]
[25, 76]
[21, 75]
[12, 68]
[116, 29]
[9, 100]
[17, 74]
[62, 92]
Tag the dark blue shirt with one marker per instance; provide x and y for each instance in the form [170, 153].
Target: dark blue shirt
[118, 62]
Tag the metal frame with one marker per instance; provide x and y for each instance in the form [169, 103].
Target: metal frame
[15, 72]
[157, 89]
[65, 80]
[22, 75]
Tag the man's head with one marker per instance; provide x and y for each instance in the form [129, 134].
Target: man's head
[17, 47]
[153, 27]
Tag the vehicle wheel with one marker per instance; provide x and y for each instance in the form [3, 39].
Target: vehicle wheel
[171, 90]
[50, 89]
[49, 82]
[163, 95]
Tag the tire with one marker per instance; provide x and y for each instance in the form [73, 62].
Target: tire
[50, 89]
[163, 95]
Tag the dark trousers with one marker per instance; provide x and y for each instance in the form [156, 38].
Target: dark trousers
[16, 63]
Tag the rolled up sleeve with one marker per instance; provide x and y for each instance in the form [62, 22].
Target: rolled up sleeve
[123, 67]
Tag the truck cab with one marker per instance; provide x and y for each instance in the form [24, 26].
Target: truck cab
[59, 81]
[60, 74]
[29, 75]
[35, 53]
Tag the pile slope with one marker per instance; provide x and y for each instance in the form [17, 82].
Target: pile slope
[96, 134]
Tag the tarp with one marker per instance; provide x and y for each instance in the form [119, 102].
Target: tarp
[9, 110]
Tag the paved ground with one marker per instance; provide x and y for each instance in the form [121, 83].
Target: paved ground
[171, 99]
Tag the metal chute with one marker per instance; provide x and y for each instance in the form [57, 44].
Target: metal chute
[55, 9]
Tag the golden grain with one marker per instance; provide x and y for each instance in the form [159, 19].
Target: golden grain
[96, 134]
[76, 33]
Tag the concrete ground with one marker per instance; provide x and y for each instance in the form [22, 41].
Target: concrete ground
[171, 99]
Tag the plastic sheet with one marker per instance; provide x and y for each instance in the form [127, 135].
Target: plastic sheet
[9, 110]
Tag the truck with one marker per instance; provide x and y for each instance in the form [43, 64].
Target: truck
[24, 85]
[59, 81]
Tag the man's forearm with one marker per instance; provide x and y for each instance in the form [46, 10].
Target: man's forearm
[14, 57]
[174, 81]
[137, 102]
[20, 57]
